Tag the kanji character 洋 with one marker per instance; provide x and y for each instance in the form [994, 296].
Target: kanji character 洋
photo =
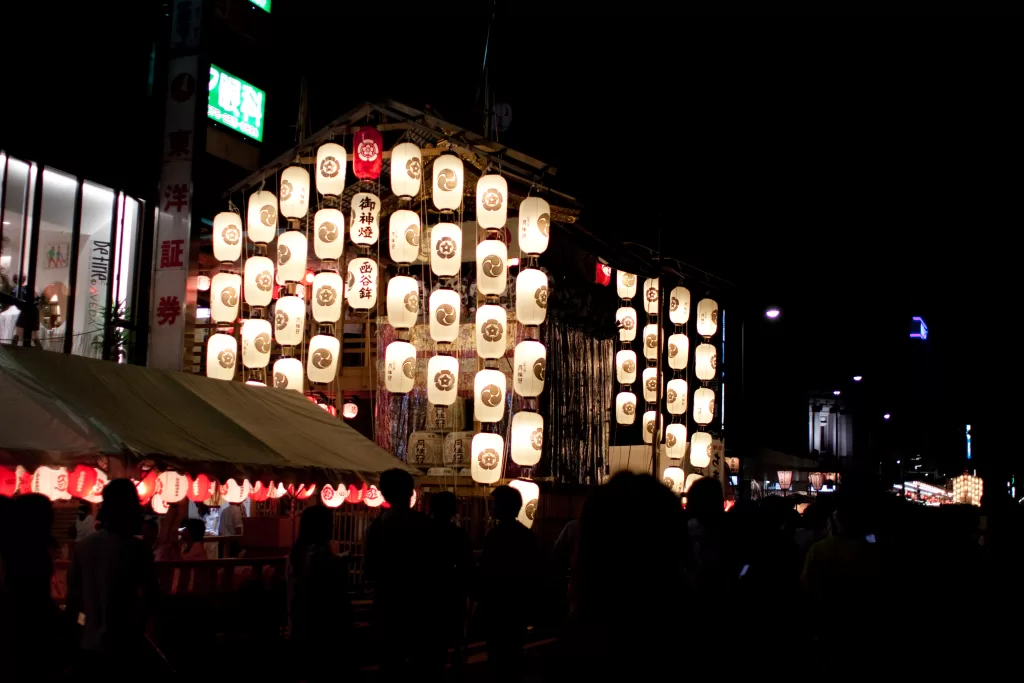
[176, 196]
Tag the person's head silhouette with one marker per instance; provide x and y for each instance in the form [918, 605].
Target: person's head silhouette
[443, 506]
[506, 503]
[121, 512]
[396, 486]
[704, 500]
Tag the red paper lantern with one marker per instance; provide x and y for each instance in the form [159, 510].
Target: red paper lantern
[147, 487]
[603, 274]
[259, 492]
[355, 495]
[199, 489]
[8, 482]
[83, 479]
[24, 480]
[304, 493]
[367, 155]
[96, 494]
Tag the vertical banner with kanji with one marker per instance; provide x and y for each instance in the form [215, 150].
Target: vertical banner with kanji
[716, 469]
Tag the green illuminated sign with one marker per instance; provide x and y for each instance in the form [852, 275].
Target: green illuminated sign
[235, 103]
[262, 4]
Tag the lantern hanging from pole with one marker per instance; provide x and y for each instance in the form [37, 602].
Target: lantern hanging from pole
[625, 408]
[625, 367]
[404, 236]
[625, 320]
[447, 188]
[649, 419]
[259, 281]
[173, 486]
[489, 393]
[817, 480]
[675, 440]
[289, 320]
[399, 367]
[406, 170]
[291, 256]
[488, 453]
[198, 488]
[331, 163]
[703, 406]
[373, 497]
[679, 305]
[530, 368]
[288, 374]
[329, 234]
[527, 438]
[403, 302]
[361, 290]
[492, 202]
[651, 296]
[534, 225]
[785, 479]
[224, 294]
[262, 217]
[329, 497]
[227, 236]
[81, 481]
[530, 493]
[491, 327]
[625, 284]
[446, 249]
[707, 317]
[221, 352]
[233, 492]
[367, 156]
[675, 396]
[650, 384]
[322, 362]
[531, 296]
[326, 299]
[256, 343]
[442, 380]
[491, 273]
[700, 449]
[364, 221]
[675, 479]
[444, 315]
[651, 342]
[706, 361]
[294, 193]
[678, 351]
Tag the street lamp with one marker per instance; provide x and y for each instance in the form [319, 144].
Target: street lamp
[857, 378]
[772, 313]
[886, 416]
[836, 392]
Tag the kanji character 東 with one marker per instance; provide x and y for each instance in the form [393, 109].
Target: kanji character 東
[178, 142]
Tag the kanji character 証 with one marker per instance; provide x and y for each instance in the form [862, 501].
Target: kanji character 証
[171, 253]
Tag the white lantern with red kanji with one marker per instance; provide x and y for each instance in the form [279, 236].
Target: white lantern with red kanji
[707, 317]
[491, 331]
[444, 315]
[650, 417]
[491, 271]
[225, 293]
[675, 440]
[651, 296]
[404, 236]
[96, 494]
[488, 454]
[51, 482]
[399, 367]
[288, 374]
[373, 497]
[530, 493]
[489, 395]
[700, 449]
[257, 336]
[331, 498]
[625, 408]
[322, 361]
[625, 366]
[329, 234]
[173, 486]
[227, 236]
[442, 380]
[361, 289]
[326, 298]
[262, 217]
[534, 225]
[331, 164]
[289, 320]
[785, 479]
[625, 320]
[291, 256]
[705, 361]
[446, 249]
[527, 438]
[625, 284]
[259, 281]
[678, 351]
[651, 342]
[703, 406]
[294, 194]
[529, 368]
[679, 305]
[531, 296]
[406, 170]
[403, 302]
[675, 396]
[233, 492]
[364, 220]
[447, 187]
[492, 201]
[221, 354]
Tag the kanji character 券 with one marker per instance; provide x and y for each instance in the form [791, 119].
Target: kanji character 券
[168, 310]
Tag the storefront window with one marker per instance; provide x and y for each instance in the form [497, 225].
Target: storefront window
[94, 252]
[12, 274]
[127, 234]
[53, 260]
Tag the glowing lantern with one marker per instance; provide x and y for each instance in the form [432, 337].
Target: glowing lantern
[625, 320]
[530, 363]
[173, 486]
[291, 256]
[221, 354]
[361, 290]
[406, 170]
[288, 374]
[625, 284]
[444, 315]
[349, 410]
[703, 406]
[489, 392]
[690, 480]
[650, 384]
[280, 491]
[649, 420]
[700, 449]
[294, 193]
[678, 351]
[404, 236]
[289, 320]
[259, 492]
[651, 345]
[534, 225]
[679, 305]
[403, 302]
[531, 496]
[488, 453]
[373, 497]
[233, 492]
[329, 234]
[331, 163]
[51, 482]
[355, 495]
[331, 498]
[80, 482]
[224, 295]
[147, 487]
[447, 187]
[625, 408]
[227, 236]
[707, 317]
[446, 249]
[9, 482]
[442, 380]
[364, 222]
[491, 330]
[367, 157]
[651, 295]
[675, 396]
[706, 359]
[322, 362]
[531, 296]
[817, 480]
[675, 441]
[262, 217]
[256, 342]
[399, 367]
[254, 382]
[96, 494]
[785, 479]
[158, 504]
[326, 300]
[259, 281]
[527, 438]
[625, 367]
[492, 202]
[491, 272]
[199, 488]
[675, 479]
[203, 283]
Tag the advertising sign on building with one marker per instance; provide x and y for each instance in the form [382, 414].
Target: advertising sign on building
[235, 103]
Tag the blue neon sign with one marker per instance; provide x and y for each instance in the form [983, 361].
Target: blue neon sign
[920, 329]
[968, 442]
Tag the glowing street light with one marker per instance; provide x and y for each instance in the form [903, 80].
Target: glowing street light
[857, 378]
[886, 416]
[836, 392]
[772, 313]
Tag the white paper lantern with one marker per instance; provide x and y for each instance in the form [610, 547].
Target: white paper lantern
[173, 486]
[159, 505]
[707, 317]
[491, 331]
[530, 493]
[331, 498]
[294, 194]
[262, 217]
[531, 296]
[706, 361]
[291, 256]
[326, 299]
[224, 296]
[329, 234]
[488, 454]
[534, 225]
[364, 221]
[530, 367]
[221, 354]
[492, 202]
[403, 302]
[625, 284]
[331, 164]
[625, 408]
[491, 273]
[444, 315]
[203, 283]
[648, 423]
[445, 249]
[651, 296]
[96, 495]
[259, 281]
[361, 288]
[442, 380]
[288, 374]
[373, 497]
[625, 367]
[651, 342]
[257, 336]
[675, 396]
[678, 351]
[489, 395]
[625, 320]
[675, 479]
[675, 440]
[46, 482]
[227, 236]
[447, 187]
[527, 438]
[289, 320]
[679, 305]
[690, 480]
[700, 449]
[404, 236]
[406, 170]
[233, 492]
[650, 384]
[703, 406]
[399, 367]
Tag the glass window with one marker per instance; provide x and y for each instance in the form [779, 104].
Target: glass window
[127, 234]
[93, 269]
[11, 251]
[53, 260]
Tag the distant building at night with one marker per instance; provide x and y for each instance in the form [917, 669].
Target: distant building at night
[829, 426]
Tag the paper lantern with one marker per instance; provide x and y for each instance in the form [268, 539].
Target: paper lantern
[447, 188]
[488, 453]
[326, 299]
[329, 234]
[700, 449]
[492, 202]
[406, 170]
[355, 495]
[785, 479]
[625, 367]
[491, 331]
[534, 225]
[489, 393]
[233, 492]
[690, 480]
[625, 408]
[675, 440]
[221, 353]
[280, 492]
[331, 498]
[259, 281]
[446, 249]
[262, 217]
[678, 351]
[52, 482]
[444, 315]
[288, 374]
[625, 284]
[227, 236]
[648, 423]
[442, 380]
[675, 479]
[254, 383]
[331, 163]
[259, 492]
[203, 283]
[651, 296]
[456, 448]
[675, 396]
[530, 493]
[649, 384]
[81, 481]
[679, 305]
[400, 367]
[361, 289]
[322, 362]
[96, 494]
[491, 268]
[289, 320]
[403, 302]
[530, 368]
[651, 346]
[531, 296]
[625, 320]
[707, 317]
[224, 295]
[291, 256]
[367, 157]
[199, 488]
[158, 504]
[256, 343]
[8, 482]
[706, 360]
[147, 487]
[364, 222]
[404, 236]
[294, 194]
[173, 486]
[373, 497]
[527, 438]
[817, 480]
[703, 406]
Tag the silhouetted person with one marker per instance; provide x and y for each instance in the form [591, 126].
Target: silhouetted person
[705, 527]
[456, 558]
[84, 524]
